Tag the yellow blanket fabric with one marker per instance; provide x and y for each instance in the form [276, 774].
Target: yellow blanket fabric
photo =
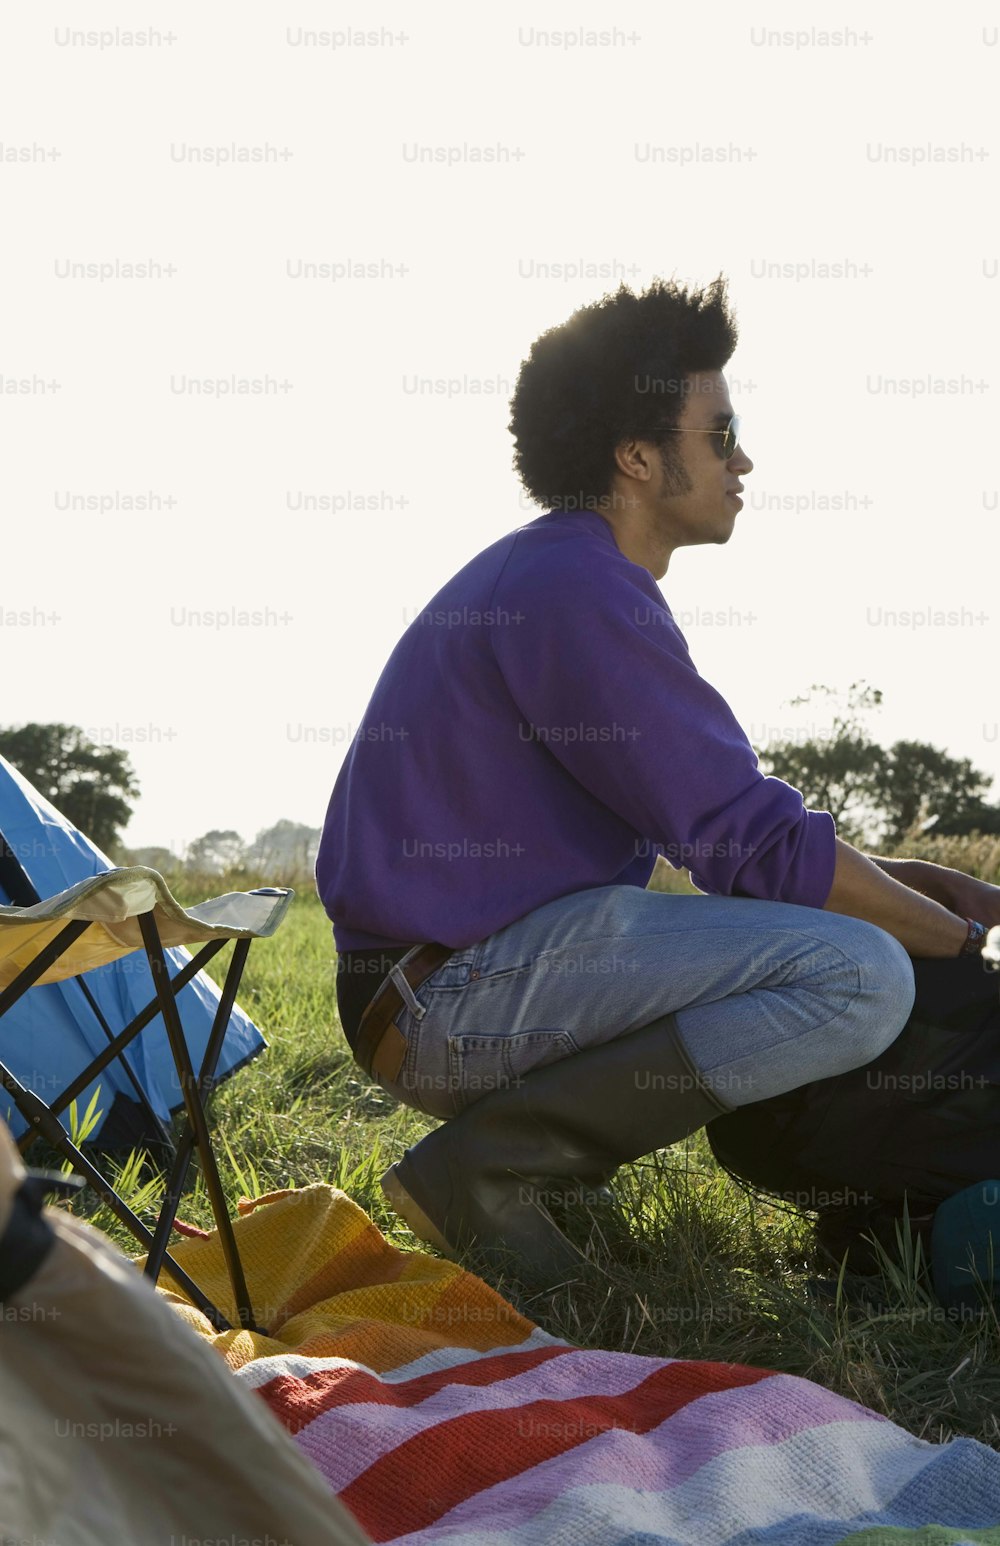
[327, 1283]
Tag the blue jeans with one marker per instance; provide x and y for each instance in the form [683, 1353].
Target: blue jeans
[767, 995]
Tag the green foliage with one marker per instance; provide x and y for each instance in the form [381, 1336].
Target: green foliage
[216, 852]
[160, 859]
[879, 795]
[978, 856]
[94, 787]
[842, 771]
[922, 783]
[285, 854]
[976, 817]
[80, 1128]
[287, 848]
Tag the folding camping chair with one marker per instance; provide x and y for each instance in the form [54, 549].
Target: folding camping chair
[96, 921]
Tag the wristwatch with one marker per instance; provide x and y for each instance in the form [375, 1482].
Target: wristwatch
[975, 939]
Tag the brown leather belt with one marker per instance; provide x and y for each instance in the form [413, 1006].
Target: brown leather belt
[381, 1045]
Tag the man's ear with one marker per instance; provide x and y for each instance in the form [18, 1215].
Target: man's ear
[632, 457]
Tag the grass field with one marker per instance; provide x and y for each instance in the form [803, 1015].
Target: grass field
[701, 1271]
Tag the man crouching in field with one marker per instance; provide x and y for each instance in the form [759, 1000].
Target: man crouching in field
[501, 963]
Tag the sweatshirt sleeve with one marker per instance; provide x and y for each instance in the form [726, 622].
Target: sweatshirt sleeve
[602, 674]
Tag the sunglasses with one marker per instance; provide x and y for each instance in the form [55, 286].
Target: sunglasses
[730, 436]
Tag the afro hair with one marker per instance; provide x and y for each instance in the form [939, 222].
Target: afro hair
[615, 370]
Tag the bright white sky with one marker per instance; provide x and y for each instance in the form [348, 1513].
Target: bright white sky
[238, 726]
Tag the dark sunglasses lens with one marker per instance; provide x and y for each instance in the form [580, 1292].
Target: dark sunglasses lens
[731, 439]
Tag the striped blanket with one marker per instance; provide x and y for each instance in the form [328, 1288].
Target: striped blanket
[439, 1414]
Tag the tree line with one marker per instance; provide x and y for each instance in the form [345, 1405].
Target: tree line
[880, 795]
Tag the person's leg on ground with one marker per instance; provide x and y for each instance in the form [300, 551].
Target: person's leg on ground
[616, 1021]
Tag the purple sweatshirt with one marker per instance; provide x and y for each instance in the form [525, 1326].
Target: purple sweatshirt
[540, 729]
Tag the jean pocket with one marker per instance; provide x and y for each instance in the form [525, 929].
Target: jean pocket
[479, 1064]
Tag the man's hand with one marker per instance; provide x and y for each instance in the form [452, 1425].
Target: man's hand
[960, 893]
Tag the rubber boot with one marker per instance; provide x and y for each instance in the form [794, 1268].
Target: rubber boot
[470, 1182]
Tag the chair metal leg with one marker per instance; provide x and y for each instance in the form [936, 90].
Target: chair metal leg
[196, 1115]
[187, 1142]
[145, 1104]
[29, 975]
[48, 1126]
[111, 1051]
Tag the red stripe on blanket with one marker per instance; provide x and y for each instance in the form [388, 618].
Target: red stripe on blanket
[297, 1401]
[417, 1483]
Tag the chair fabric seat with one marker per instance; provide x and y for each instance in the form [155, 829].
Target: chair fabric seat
[113, 903]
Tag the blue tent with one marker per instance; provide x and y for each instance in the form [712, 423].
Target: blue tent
[54, 1030]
